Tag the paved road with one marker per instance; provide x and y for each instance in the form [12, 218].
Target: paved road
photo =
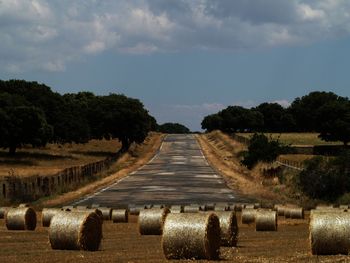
[178, 174]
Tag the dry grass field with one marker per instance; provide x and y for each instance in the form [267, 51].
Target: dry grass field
[54, 157]
[302, 139]
[123, 243]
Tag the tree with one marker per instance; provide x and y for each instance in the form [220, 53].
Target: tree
[276, 118]
[25, 125]
[173, 128]
[212, 122]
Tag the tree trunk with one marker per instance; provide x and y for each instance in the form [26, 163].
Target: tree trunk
[125, 145]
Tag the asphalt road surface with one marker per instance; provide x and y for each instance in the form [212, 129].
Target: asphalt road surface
[178, 174]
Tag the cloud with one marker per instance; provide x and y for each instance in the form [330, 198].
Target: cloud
[46, 35]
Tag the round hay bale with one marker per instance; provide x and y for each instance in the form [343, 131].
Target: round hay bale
[21, 218]
[157, 206]
[296, 213]
[151, 221]
[229, 228]
[221, 208]
[120, 215]
[106, 212]
[266, 220]
[280, 209]
[345, 207]
[95, 206]
[176, 209]
[330, 233]
[249, 206]
[134, 210]
[75, 231]
[248, 215]
[237, 207]
[209, 207]
[47, 214]
[84, 209]
[327, 211]
[3, 211]
[24, 205]
[191, 236]
[191, 209]
[324, 207]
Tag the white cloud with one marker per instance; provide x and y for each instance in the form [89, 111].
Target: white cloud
[46, 35]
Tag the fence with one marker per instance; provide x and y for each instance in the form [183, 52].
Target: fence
[34, 187]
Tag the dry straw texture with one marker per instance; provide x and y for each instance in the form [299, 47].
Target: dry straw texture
[21, 218]
[176, 209]
[248, 215]
[47, 214]
[343, 207]
[95, 206]
[120, 215]
[191, 208]
[75, 231]
[191, 236]
[266, 220]
[330, 233]
[23, 205]
[3, 211]
[237, 207]
[95, 210]
[229, 228]
[279, 209]
[151, 221]
[209, 207]
[296, 213]
[106, 212]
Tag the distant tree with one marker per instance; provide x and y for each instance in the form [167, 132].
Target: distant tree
[176, 128]
[305, 109]
[24, 125]
[334, 121]
[212, 122]
[276, 118]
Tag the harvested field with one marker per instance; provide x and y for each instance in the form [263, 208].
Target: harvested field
[123, 243]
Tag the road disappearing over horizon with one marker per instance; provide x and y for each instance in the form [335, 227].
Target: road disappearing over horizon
[178, 174]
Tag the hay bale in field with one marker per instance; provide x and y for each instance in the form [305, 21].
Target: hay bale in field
[23, 205]
[324, 207]
[95, 210]
[75, 231]
[229, 227]
[249, 206]
[330, 233]
[134, 210]
[344, 207]
[191, 236]
[248, 215]
[106, 212]
[80, 207]
[157, 206]
[209, 207]
[191, 208]
[220, 208]
[280, 209]
[176, 209]
[296, 213]
[266, 220]
[151, 221]
[3, 211]
[47, 214]
[120, 215]
[237, 207]
[327, 211]
[95, 206]
[20, 218]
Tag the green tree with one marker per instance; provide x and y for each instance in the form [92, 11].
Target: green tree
[212, 122]
[173, 128]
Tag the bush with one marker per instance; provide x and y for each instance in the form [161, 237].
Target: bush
[262, 148]
[326, 179]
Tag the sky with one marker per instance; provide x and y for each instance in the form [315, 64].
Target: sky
[184, 59]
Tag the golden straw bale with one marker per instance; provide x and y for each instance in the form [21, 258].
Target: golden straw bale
[3, 211]
[330, 233]
[280, 209]
[191, 236]
[324, 207]
[345, 207]
[75, 231]
[120, 215]
[266, 220]
[157, 206]
[20, 218]
[296, 213]
[191, 208]
[209, 207]
[24, 205]
[248, 215]
[95, 206]
[176, 209]
[47, 214]
[106, 212]
[229, 227]
[151, 221]
[237, 207]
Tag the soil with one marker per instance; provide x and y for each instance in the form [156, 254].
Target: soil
[123, 243]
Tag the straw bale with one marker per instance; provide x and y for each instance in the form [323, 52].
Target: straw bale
[248, 215]
[324, 207]
[280, 209]
[157, 206]
[176, 209]
[95, 206]
[75, 231]
[329, 233]
[209, 207]
[82, 207]
[151, 221]
[229, 227]
[95, 210]
[135, 210]
[266, 220]
[20, 218]
[191, 236]
[120, 215]
[24, 205]
[221, 208]
[191, 208]
[345, 207]
[3, 211]
[296, 212]
[106, 212]
[47, 214]
[237, 207]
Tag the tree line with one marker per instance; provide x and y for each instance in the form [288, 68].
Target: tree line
[31, 113]
[322, 112]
